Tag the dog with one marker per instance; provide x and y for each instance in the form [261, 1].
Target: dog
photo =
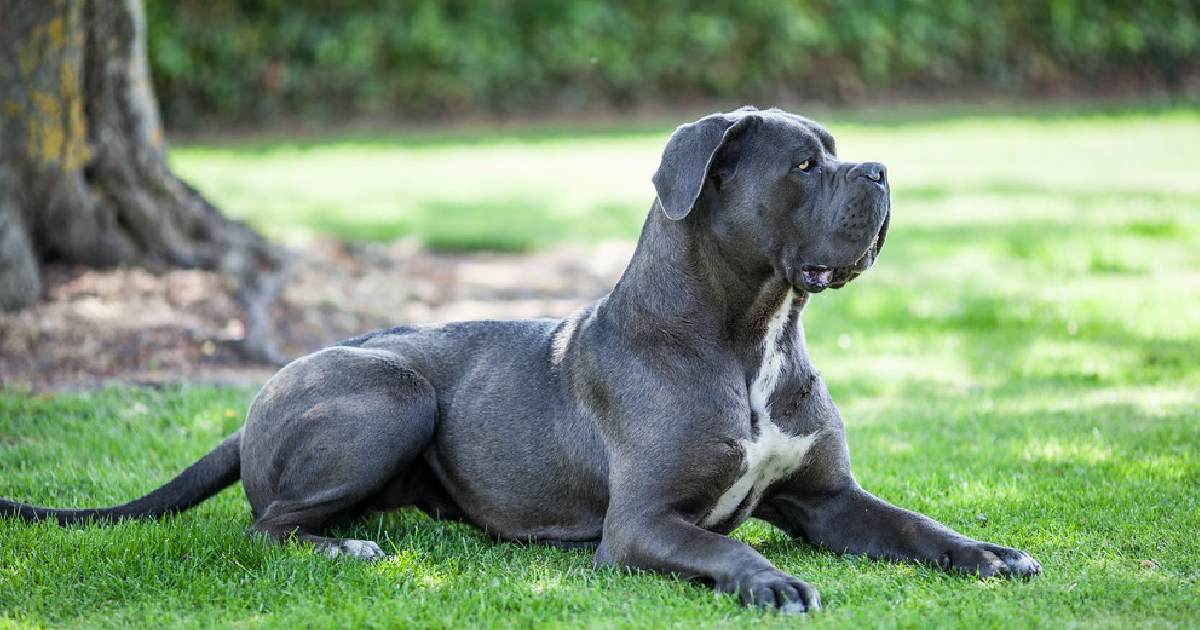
[646, 426]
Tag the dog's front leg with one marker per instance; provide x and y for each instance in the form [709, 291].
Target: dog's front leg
[851, 520]
[667, 543]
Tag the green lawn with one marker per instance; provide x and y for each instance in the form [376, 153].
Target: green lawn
[1023, 364]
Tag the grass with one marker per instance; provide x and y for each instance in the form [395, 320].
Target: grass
[526, 188]
[1022, 364]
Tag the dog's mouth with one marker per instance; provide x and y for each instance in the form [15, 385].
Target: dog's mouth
[817, 278]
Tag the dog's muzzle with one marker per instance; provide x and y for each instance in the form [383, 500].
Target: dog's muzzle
[817, 278]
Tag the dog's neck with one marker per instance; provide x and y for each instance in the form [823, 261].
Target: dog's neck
[682, 280]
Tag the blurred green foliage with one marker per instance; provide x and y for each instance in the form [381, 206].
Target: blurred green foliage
[252, 60]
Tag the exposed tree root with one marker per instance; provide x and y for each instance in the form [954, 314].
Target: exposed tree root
[84, 177]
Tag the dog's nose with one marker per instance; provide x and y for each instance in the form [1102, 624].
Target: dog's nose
[873, 171]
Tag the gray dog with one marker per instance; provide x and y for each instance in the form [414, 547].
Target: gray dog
[646, 426]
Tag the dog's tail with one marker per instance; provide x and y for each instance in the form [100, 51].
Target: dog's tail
[215, 471]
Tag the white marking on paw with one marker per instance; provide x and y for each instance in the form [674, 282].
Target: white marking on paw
[792, 608]
[772, 454]
[360, 549]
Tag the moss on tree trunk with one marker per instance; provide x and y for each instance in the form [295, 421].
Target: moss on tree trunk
[83, 170]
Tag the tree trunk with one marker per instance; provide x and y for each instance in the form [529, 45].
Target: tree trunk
[83, 171]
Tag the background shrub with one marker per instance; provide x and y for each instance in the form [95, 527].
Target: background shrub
[253, 60]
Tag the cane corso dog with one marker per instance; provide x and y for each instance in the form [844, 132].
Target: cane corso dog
[646, 426]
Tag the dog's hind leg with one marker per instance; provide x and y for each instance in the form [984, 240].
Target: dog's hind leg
[328, 434]
[286, 521]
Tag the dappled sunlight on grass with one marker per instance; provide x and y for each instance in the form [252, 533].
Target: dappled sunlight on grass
[937, 368]
[1075, 359]
[1054, 450]
[1147, 402]
[1181, 467]
[546, 584]
[412, 563]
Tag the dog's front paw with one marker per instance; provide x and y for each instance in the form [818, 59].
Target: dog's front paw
[988, 560]
[773, 589]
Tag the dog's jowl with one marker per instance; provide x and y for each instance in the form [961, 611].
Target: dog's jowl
[646, 426]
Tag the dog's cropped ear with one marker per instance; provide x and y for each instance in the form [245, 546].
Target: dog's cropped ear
[689, 157]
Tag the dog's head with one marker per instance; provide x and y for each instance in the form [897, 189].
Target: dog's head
[769, 185]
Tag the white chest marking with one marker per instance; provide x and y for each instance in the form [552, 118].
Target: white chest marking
[772, 454]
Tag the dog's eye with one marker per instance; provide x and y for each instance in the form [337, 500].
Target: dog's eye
[805, 166]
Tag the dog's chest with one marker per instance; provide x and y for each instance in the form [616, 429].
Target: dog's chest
[771, 454]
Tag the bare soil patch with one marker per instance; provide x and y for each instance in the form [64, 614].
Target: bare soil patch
[131, 325]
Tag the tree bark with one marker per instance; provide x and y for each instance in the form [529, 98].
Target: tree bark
[84, 177]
